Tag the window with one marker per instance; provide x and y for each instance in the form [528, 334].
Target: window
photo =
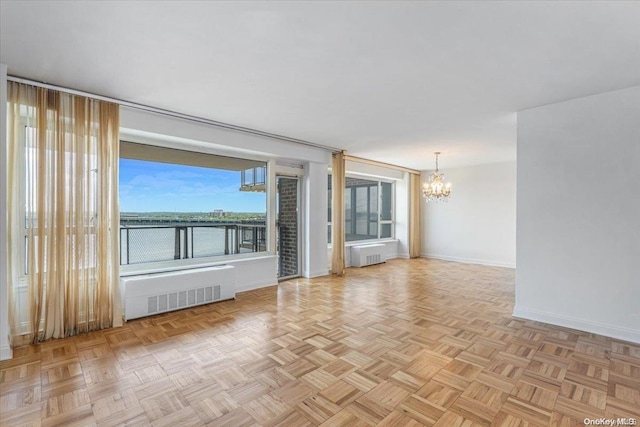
[28, 166]
[368, 208]
[178, 204]
[70, 200]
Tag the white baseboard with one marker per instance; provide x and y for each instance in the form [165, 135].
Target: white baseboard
[488, 262]
[5, 353]
[612, 331]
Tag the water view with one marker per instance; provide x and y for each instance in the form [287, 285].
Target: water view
[149, 239]
[182, 210]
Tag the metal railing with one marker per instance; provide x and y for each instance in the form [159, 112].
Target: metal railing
[154, 243]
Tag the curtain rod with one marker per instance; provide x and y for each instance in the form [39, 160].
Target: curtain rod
[171, 113]
[381, 164]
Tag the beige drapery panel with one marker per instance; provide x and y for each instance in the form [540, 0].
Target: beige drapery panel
[64, 161]
[414, 215]
[337, 213]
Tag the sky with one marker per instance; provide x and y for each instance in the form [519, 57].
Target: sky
[162, 187]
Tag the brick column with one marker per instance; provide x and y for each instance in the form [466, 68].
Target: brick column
[288, 226]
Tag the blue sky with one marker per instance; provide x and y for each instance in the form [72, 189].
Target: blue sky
[161, 187]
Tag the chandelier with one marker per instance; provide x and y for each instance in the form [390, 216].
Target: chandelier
[436, 190]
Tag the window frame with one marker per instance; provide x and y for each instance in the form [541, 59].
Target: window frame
[22, 229]
[199, 261]
[380, 221]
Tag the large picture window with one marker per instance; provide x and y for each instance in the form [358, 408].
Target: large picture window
[177, 204]
[62, 162]
[368, 209]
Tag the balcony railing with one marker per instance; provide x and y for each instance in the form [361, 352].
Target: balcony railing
[155, 243]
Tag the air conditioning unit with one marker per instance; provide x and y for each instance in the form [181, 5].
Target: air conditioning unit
[364, 255]
[150, 294]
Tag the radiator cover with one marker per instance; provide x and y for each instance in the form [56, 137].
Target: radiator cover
[363, 255]
[150, 294]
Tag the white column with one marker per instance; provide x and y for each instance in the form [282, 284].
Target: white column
[315, 240]
[5, 346]
[401, 215]
[271, 207]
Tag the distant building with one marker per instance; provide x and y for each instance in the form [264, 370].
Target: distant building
[219, 213]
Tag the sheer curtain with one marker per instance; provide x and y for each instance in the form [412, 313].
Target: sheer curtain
[414, 215]
[337, 213]
[64, 214]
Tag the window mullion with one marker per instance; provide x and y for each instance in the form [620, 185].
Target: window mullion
[368, 210]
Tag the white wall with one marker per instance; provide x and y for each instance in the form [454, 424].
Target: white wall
[372, 171]
[147, 127]
[5, 348]
[255, 273]
[478, 224]
[579, 214]
[144, 126]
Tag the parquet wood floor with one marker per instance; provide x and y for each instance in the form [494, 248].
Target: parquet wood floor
[407, 343]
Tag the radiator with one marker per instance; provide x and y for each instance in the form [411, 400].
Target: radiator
[150, 294]
[363, 255]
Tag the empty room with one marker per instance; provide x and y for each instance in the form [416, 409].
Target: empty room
[347, 213]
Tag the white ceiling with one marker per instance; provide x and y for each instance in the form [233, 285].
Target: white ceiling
[389, 81]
